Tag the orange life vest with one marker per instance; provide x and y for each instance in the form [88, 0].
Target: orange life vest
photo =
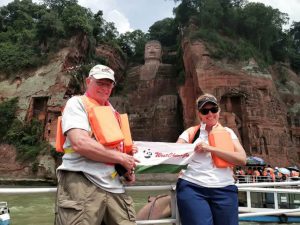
[218, 137]
[60, 137]
[125, 128]
[192, 131]
[109, 128]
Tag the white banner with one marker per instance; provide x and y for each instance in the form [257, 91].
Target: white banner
[156, 157]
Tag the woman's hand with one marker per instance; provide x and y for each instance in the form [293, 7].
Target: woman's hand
[236, 157]
[201, 147]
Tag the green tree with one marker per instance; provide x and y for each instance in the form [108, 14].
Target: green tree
[98, 22]
[294, 54]
[205, 13]
[49, 26]
[295, 35]
[77, 19]
[27, 138]
[108, 34]
[211, 14]
[18, 37]
[20, 15]
[132, 43]
[30, 32]
[281, 48]
[165, 31]
[18, 20]
[261, 25]
[14, 57]
[8, 115]
[59, 5]
[186, 10]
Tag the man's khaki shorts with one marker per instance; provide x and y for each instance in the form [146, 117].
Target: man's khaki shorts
[80, 202]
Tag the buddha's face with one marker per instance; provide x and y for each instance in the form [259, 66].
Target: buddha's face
[152, 50]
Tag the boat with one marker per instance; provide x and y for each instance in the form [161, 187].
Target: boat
[267, 202]
[273, 202]
[4, 214]
[270, 202]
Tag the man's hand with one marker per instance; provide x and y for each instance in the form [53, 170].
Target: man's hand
[130, 177]
[129, 162]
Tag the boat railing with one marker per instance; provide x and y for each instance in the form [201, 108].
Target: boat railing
[264, 199]
[287, 184]
[257, 179]
[174, 219]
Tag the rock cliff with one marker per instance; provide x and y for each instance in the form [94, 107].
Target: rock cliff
[152, 104]
[262, 108]
[43, 93]
[265, 116]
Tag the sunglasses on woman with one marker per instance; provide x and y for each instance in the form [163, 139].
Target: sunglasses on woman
[214, 109]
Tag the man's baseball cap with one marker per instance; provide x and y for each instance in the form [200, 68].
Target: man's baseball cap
[102, 72]
[202, 100]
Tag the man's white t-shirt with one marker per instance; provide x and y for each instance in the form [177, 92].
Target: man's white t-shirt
[201, 169]
[75, 116]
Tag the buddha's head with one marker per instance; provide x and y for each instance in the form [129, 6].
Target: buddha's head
[153, 51]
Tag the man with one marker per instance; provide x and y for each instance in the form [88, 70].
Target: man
[87, 193]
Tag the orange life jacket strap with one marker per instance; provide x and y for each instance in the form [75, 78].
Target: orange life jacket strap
[60, 137]
[192, 132]
[125, 128]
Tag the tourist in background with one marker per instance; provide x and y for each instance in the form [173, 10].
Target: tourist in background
[255, 175]
[206, 195]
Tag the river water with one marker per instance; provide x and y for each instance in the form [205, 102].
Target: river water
[38, 209]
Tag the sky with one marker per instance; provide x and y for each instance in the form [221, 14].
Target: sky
[130, 15]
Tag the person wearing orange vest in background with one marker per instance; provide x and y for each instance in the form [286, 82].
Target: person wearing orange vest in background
[206, 194]
[87, 194]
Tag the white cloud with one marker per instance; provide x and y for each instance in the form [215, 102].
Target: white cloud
[121, 22]
[131, 14]
[111, 13]
[4, 2]
[95, 6]
[144, 13]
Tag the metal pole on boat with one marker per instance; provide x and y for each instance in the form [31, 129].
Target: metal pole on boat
[26, 190]
[269, 184]
[275, 212]
[276, 200]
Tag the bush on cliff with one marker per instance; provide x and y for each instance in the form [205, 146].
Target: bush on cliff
[8, 115]
[27, 137]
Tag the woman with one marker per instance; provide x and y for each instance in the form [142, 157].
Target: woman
[206, 195]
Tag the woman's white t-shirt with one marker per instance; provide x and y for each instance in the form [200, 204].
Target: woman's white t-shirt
[201, 169]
